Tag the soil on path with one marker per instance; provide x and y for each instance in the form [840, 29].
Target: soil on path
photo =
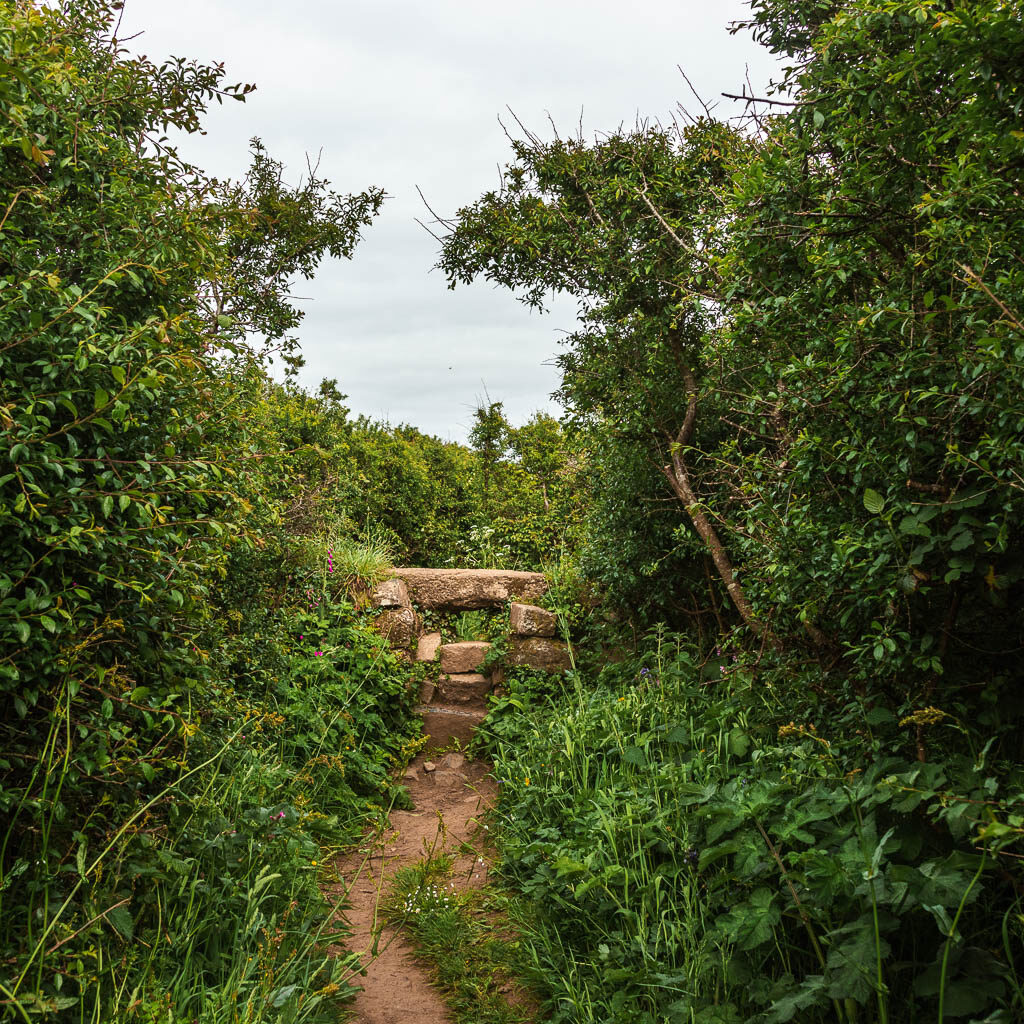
[448, 804]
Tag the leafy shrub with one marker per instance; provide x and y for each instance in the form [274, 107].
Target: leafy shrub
[695, 855]
[174, 759]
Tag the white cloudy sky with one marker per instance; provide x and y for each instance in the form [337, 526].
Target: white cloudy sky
[398, 94]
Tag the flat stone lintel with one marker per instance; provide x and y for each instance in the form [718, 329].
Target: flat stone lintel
[464, 589]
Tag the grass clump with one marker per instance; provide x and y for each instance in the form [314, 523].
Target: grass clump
[356, 563]
[455, 932]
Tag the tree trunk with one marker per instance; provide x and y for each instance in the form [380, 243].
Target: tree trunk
[678, 475]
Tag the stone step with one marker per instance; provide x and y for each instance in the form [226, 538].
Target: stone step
[426, 648]
[465, 689]
[442, 724]
[463, 589]
[529, 620]
[466, 656]
[539, 652]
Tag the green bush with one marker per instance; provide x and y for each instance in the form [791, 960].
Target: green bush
[174, 759]
[696, 855]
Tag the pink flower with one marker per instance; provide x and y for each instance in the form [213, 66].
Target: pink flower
[318, 654]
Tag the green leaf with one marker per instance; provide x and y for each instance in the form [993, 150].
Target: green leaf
[964, 539]
[751, 922]
[121, 919]
[739, 742]
[819, 119]
[117, 372]
[23, 629]
[710, 854]
[879, 716]
[873, 501]
[100, 399]
[634, 755]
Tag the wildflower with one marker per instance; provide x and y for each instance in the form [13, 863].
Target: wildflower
[318, 654]
[313, 862]
[527, 779]
[924, 716]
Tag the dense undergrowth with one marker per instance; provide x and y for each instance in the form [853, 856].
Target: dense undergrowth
[797, 374]
[189, 888]
[782, 518]
[714, 842]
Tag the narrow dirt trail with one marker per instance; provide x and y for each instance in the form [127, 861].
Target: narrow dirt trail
[449, 801]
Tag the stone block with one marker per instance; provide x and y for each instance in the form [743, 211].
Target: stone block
[399, 626]
[390, 594]
[529, 620]
[442, 725]
[463, 688]
[463, 657]
[426, 649]
[539, 652]
[463, 589]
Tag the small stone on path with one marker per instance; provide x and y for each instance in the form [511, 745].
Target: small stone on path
[429, 766]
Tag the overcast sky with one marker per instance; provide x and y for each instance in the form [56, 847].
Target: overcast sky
[399, 94]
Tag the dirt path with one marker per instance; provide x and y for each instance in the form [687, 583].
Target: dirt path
[448, 801]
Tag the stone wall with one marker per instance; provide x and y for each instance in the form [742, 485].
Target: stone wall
[454, 701]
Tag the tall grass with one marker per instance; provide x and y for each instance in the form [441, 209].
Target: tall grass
[200, 898]
[691, 855]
